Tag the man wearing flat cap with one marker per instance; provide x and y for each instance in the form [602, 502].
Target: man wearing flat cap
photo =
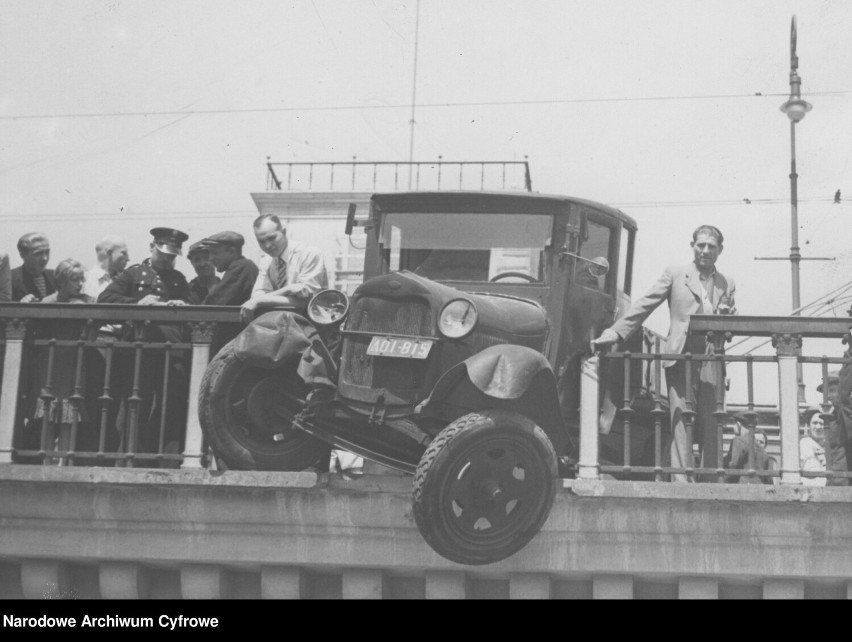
[205, 271]
[154, 281]
[240, 274]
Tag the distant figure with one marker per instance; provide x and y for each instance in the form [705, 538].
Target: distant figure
[112, 259]
[694, 288]
[5, 278]
[206, 278]
[70, 279]
[812, 447]
[738, 453]
[56, 413]
[290, 274]
[838, 426]
[238, 279]
[32, 281]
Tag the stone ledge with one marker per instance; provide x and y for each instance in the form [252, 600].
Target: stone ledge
[708, 492]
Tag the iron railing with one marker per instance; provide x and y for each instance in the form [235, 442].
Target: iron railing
[107, 384]
[395, 176]
[648, 415]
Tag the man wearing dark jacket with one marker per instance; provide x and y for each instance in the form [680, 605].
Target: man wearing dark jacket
[235, 288]
[32, 281]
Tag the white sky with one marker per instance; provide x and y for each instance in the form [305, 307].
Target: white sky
[77, 178]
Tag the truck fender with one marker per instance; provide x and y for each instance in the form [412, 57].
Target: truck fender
[280, 336]
[505, 377]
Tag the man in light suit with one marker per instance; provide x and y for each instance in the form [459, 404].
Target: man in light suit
[695, 288]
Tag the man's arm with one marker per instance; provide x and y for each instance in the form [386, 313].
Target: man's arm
[234, 286]
[639, 311]
[263, 284]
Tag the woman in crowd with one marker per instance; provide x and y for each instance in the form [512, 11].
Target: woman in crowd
[60, 404]
[812, 447]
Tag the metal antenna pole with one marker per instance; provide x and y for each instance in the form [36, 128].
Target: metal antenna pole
[411, 121]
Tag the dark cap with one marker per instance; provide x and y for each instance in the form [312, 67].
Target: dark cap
[195, 248]
[225, 238]
[168, 240]
[740, 415]
[833, 377]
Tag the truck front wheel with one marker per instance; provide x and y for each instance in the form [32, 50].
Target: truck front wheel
[485, 486]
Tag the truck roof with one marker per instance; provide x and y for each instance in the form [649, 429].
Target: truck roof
[477, 201]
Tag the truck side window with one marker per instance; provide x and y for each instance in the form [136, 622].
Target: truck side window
[595, 244]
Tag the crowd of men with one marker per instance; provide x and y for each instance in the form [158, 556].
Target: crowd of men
[289, 273]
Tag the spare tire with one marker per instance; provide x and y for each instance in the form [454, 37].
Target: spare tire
[246, 414]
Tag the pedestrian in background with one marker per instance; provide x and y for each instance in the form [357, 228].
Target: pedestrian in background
[113, 257]
[32, 281]
[205, 271]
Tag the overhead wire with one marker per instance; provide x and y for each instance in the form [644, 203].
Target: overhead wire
[433, 105]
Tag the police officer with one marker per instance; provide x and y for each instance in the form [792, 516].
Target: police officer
[154, 281]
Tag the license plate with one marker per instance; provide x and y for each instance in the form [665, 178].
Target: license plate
[397, 347]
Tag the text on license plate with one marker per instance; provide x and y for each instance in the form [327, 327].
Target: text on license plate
[396, 347]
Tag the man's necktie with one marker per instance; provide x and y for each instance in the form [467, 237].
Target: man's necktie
[282, 272]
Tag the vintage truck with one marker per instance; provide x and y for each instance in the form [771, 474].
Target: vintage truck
[457, 360]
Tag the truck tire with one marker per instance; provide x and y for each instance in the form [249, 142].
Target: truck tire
[246, 415]
[484, 487]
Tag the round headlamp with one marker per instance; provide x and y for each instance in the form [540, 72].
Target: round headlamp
[328, 307]
[457, 318]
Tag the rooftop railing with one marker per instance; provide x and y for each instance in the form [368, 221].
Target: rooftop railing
[644, 418]
[364, 176]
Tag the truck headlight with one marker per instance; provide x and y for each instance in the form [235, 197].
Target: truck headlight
[328, 307]
[457, 318]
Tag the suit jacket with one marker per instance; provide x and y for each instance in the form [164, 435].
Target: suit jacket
[681, 287]
[5, 278]
[22, 284]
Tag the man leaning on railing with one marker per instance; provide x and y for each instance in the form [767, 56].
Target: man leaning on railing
[695, 288]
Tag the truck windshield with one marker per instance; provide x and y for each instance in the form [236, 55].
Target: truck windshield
[467, 246]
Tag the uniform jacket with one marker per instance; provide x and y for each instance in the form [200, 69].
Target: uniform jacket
[236, 285]
[22, 283]
[140, 280]
[681, 287]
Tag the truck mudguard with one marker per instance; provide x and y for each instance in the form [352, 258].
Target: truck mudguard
[504, 377]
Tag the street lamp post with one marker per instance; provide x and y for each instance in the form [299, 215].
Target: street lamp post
[795, 108]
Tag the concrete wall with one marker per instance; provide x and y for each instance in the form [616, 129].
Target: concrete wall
[106, 532]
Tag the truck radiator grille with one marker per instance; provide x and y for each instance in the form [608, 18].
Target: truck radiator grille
[410, 317]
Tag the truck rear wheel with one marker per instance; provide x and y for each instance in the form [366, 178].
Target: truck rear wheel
[246, 414]
[484, 487]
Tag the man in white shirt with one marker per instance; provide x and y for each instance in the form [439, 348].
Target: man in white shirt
[290, 273]
[112, 259]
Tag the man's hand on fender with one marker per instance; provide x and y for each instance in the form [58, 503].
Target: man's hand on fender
[247, 310]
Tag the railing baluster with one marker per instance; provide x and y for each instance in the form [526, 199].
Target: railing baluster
[626, 412]
[76, 398]
[482, 178]
[396, 176]
[787, 350]
[310, 177]
[720, 417]
[658, 414]
[131, 430]
[439, 171]
[689, 418]
[13, 365]
[106, 400]
[331, 183]
[167, 362]
[202, 333]
[589, 467]
[289, 176]
[47, 406]
[461, 173]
